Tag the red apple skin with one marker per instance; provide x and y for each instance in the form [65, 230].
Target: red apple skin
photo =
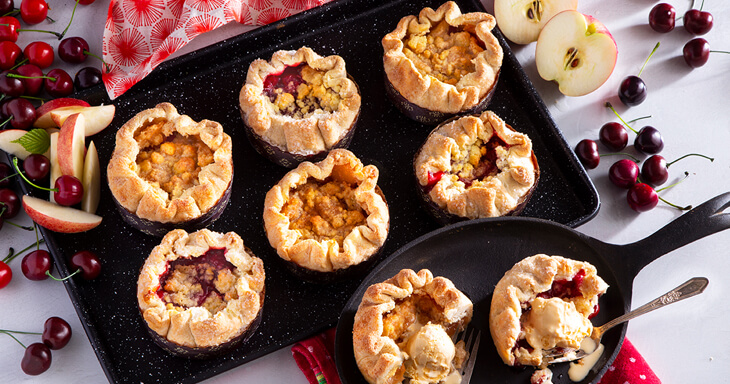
[43, 117]
[65, 145]
[38, 211]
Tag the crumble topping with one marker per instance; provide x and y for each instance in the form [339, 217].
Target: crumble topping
[444, 52]
[299, 92]
[323, 211]
[173, 162]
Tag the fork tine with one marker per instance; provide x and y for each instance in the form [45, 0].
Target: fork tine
[472, 346]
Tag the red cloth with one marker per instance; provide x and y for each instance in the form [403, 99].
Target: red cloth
[629, 367]
[141, 34]
[314, 358]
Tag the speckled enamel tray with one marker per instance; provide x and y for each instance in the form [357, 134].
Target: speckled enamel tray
[205, 85]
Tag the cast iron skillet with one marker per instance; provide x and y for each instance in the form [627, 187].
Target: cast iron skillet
[476, 254]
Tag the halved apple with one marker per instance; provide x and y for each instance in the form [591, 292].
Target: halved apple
[522, 20]
[97, 117]
[55, 172]
[91, 180]
[576, 51]
[58, 218]
[6, 143]
[43, 113]
[72, 146]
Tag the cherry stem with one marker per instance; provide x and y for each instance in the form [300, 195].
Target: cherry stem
[59, 35]
[48, 273]
[12, 255]
[76, 4]
[24, 227]
[688, 155]
[608, 104]
[15, 75]
[639, 118]
[6, 121]
[720, 51]
[14, 338]
[647, 59]
[21, 62]
[8, 177]
[686, 175]
[636, 160]
[15, 164]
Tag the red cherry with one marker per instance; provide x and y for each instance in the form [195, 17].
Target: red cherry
[6, 6]
[642, 197]
[649, 140]
[623, 173]
[696, 52]
[88, 263]
[33, 11]
[654, 170]
[6, 274]
[697, 22]
[11, 87]
[9, 27]
[36, 360]
[33, 85]
[39, 53]
[56, 333]
[69, 190]
[22, 112]
[73, 50]
[614, 136]
[85, 2]
[9, 202]
[9, 53]
[36, 166]
[36, 264]
[58, 83]
[662, 17]
[587, 152]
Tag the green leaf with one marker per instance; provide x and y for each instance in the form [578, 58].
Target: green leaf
[35, 141]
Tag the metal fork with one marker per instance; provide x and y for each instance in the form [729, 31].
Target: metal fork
[471, 337]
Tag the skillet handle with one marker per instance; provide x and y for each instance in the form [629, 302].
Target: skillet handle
[706, 219]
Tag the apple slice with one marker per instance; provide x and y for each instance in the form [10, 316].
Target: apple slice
[58, 218]
[91, 180]
[576, 51]
[97, 117]
[6, 143]
[71, 146]
[43, 113]
[53, 159]
[522, 20]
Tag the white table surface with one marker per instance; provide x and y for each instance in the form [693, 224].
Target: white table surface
[688, 342]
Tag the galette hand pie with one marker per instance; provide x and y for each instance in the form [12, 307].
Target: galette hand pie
[542, 306]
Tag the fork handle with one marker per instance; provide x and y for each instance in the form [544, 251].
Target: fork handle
[691, 287]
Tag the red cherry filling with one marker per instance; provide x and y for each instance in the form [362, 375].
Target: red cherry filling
[565, 289]
[205, 281]
[286, 81]
[433, 178]
[485, 166]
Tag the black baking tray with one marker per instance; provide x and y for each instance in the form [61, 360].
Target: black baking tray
[205, 85]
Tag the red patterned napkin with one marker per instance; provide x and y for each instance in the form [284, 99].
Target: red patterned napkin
[314, 358]
[140, 34]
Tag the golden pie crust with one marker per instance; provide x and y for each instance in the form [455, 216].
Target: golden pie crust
[519, 289]
[305, 210]
[440, 70]
[456, 173]
[202, 326]
[168, 168]
[323, 125]
[393, 311]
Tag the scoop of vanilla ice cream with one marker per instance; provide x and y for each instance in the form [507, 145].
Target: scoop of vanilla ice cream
[555, 323]
[430, 352]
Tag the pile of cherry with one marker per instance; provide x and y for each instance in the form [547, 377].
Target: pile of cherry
[24, 79]
[697, 22]
[37, 358]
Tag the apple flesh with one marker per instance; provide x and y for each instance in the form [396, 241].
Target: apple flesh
[91, 181]
[97, 117]
[522, 20]
[43, 113]
[53, 159]
[58, 218]
[576, 51]
[72, 146]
